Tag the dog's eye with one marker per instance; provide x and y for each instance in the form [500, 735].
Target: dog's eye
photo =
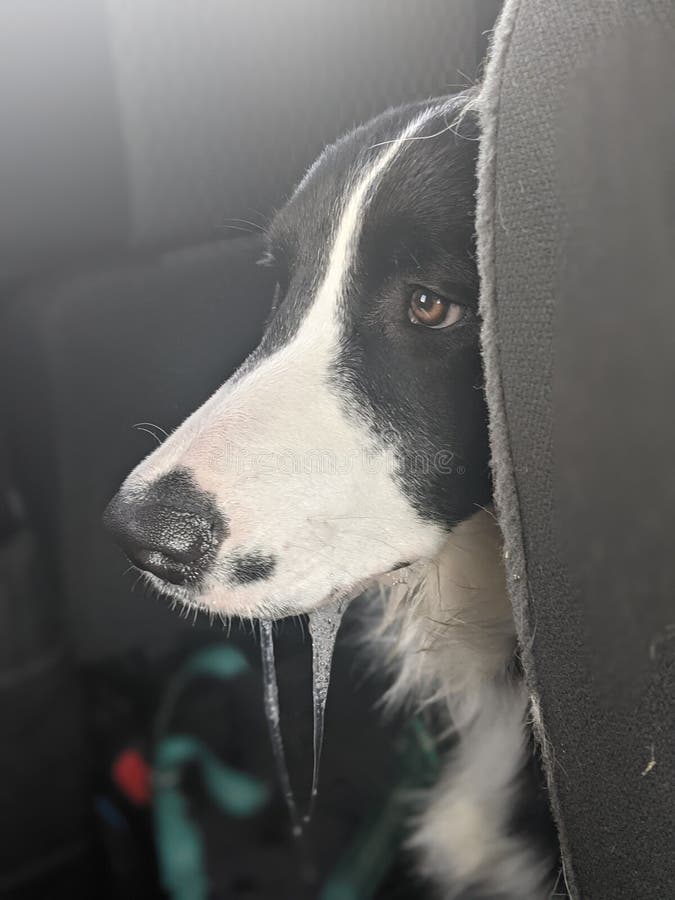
[432, 310]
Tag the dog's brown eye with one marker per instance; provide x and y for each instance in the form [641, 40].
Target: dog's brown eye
[432, 310]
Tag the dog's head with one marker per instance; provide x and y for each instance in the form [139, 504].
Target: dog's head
[354, 437]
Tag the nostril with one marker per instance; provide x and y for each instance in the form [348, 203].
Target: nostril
[158, 563]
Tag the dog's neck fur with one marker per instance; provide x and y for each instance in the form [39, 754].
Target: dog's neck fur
[447, 625]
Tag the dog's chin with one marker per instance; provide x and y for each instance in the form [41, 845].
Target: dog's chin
[258, 601]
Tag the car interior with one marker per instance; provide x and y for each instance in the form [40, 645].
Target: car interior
[143, 148]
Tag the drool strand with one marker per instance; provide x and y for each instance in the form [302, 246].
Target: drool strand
[324, 624]
[271, 703]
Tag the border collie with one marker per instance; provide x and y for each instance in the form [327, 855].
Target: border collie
[352, 447]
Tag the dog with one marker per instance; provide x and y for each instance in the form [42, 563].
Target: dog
[351, 448]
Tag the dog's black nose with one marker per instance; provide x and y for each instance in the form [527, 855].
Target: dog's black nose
[171, 530]
[170, 543]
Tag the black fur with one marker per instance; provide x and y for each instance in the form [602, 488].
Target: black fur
[251, 567]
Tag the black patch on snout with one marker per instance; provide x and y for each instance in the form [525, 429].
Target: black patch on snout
[251, 567]
[171, 529]
[178, 490]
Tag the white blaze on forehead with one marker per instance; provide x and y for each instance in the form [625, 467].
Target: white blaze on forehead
[349, 228]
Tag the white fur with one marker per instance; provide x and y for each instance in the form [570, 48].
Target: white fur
[447, 622]
[447, 631]
[463, 836]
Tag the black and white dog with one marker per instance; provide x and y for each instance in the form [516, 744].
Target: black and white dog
[352, 446]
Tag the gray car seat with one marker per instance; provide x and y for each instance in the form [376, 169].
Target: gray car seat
[576, 233]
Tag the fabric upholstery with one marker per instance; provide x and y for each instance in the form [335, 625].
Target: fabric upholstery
[575, 242]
